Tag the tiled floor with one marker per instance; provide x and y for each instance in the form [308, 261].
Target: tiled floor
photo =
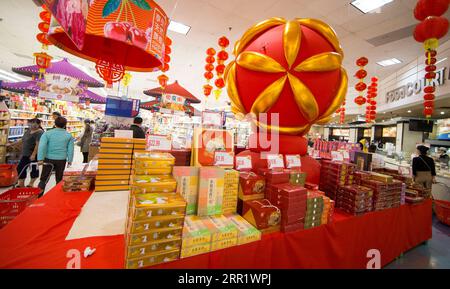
[435, 254]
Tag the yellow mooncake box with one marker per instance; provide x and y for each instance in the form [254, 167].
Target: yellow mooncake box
[151, 260]
[112, 177]
[187, 186]
[116, 150]
[246, 232]
[159, 204]
[153, 159]
[111, 188]
[152, 171]
[114, 161]
[221, 228]
[114, 167]
[111, 182]
[113, 156]
[195, 250]
[210, 193]
[116, 140]
[222, 244]
[139, 141]
[113, 172]
[154, 223]
[153, 184]
[195, 232]
[154, 235]
[151, 249]
[139, 147]
[116, 145]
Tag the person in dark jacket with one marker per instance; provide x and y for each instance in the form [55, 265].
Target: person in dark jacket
[136, 127]
[423, 167]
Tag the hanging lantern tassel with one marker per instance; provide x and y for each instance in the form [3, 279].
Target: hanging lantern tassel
[109, 72]
[43, 61]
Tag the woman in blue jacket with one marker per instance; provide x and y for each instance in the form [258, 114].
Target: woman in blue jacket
[56, 148]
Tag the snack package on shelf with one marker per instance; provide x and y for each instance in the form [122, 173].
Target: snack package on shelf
[230, 192]
[355, 199]
[385, 194]
[154, 229]
[275, 176]
[210, 193]
[144, 184]
[223, 232]
[314, 210]
[261, 213]
[246, 232]
[334, 174]
[196, 237]
[187, 186]
[381, 177]
[152, 163]
[251, 184]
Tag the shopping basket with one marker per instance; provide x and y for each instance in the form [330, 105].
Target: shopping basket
[8, 175]
[441, 204]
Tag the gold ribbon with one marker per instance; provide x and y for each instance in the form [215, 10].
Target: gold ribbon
[259, 62]
[268, 97]
[304, 98]
[327, 61]
[291, 41]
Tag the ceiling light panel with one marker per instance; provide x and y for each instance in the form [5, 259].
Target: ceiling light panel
[365, 6]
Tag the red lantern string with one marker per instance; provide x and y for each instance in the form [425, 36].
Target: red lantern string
[163, 79]
[361, 74]
[431, 28]
[209, 67]
[371, 108]
[44, 26]
[341, 111]
[222, 56]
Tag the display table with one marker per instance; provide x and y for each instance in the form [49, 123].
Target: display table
[36, 239]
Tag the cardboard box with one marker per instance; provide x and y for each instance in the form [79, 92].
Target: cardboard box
[187, 186]
[251, 184]
[222, 244]
[274, 177]
[382, 178]
[152, 171]
[112, 188]
[151, 260]
[106, 145]
[111, 182]
[102, 156]
[261, 213]
[102, 167]
[195, 232]
[154, 236]
[246, 232]
[115, 150]
[154, 223]
[210, 194]
[221, 228]
[195, 250]
[153, 160]
[158, 204]
[153, 184]
[114, 162]
[124, 173]
[142, 251]
[116, 140]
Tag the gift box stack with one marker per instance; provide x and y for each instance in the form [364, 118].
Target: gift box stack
[297, 178]
[291, 199]
[187, 186]
[360, 176]
[210, 193]
[273, 177]
[328, 210]
[251, 187]
[386, 191]
[114, 164]
[154, 229]
[314, 209]
[354, 199]
[334, 174]
[79, 178]
[230, 192]
[413, 193]
[262, 214]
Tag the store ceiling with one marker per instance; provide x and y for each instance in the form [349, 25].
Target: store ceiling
[210, 19]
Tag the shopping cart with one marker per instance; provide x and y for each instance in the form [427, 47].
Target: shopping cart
[441, 207]
[15, 200]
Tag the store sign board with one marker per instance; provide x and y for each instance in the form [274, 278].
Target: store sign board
[123, 133]
[60, 87]
[275, 162]
[224, 159]
[159, 143]
[293, 162]
[416, 87]
[243, 163]
[119, 107]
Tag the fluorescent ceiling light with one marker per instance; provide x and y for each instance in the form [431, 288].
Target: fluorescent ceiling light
[389, 62]
[409, 111]
[179, 27]
[365, 6]
[444, 59]
[11, 75]
[442, 112]
[9, 79]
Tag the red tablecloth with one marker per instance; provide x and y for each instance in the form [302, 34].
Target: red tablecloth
[36, 239]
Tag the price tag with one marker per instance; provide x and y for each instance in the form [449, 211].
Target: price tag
[159, 143]
[275, 162]
[212, 118]
[123, 133]
[346, 155]
[337, 156]
[224, 159]
[243, 163]
[316, 154]
[293, 161]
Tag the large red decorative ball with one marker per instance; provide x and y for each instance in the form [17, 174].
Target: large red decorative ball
[431, 27]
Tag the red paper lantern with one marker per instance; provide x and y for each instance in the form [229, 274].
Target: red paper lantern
[430, 68]
[43, 61]
[207, 89]
[222, 55]
[372, 102]
[43, 38]
[428, 111]
[362, 61]
[360, 86]
[429, 89]
[361, 74]
[432, 27]
[168, 41]
[209, 75]
[430, 61]
[429, 96]
[165, 67]
[167, 50]
[430, 75]
[220, 83]
[166, 58]
[428, 103]
[210, 59]
[224, 42]
[425, 8]
[360, 100]
[162, 79]
[220, 69]
[211, 51]
[43, 27]
[209, 67]
[45, 16]
[431, 53]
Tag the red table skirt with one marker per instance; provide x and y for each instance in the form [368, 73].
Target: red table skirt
[36, 239]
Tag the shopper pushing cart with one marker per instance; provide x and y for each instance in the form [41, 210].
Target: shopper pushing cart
[55, 147]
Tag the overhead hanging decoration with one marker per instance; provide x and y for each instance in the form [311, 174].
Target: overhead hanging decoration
[342, 113]
[361, 74]
[117, 35]
[42, 59]
[372, 93]
[209, 67]
[222, 56]
[163, 79]
[432, 27]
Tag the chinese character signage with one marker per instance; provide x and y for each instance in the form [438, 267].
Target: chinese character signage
[60, 87]
[293, 162]
[119, 107]
[224, 159]
[244, 163]
[275, 162]
[159, 143]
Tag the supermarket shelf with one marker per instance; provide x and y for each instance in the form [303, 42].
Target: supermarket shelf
[27, 111]
[15, 136]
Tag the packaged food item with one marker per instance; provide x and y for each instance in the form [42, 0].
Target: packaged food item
[251, 184]
[246, 232]
[231, 191]
[153, 236]
[275, 176]
[222, 244]
[158, 204]
[261, 213]
[221, 228]
[297, 178]
[106, 145]
[195, 232]
[210, 194]
[154, 223]
[115, 150]
[116, 140]
[195, 250]
[151, 260]
[159, 247]
[153, 184]
[153, 160]
[100, 188]
[382, 178]
[187, 179]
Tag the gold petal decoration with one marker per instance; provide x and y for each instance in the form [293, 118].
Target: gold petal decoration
[259, 62]
[285, 130]
[339, 98]
[232, 90]
[323, 29]
[255, 30]
[327, 61]
[324, 120]
[268, 97]
[227, 69]
[304, 98]
[291, 41]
